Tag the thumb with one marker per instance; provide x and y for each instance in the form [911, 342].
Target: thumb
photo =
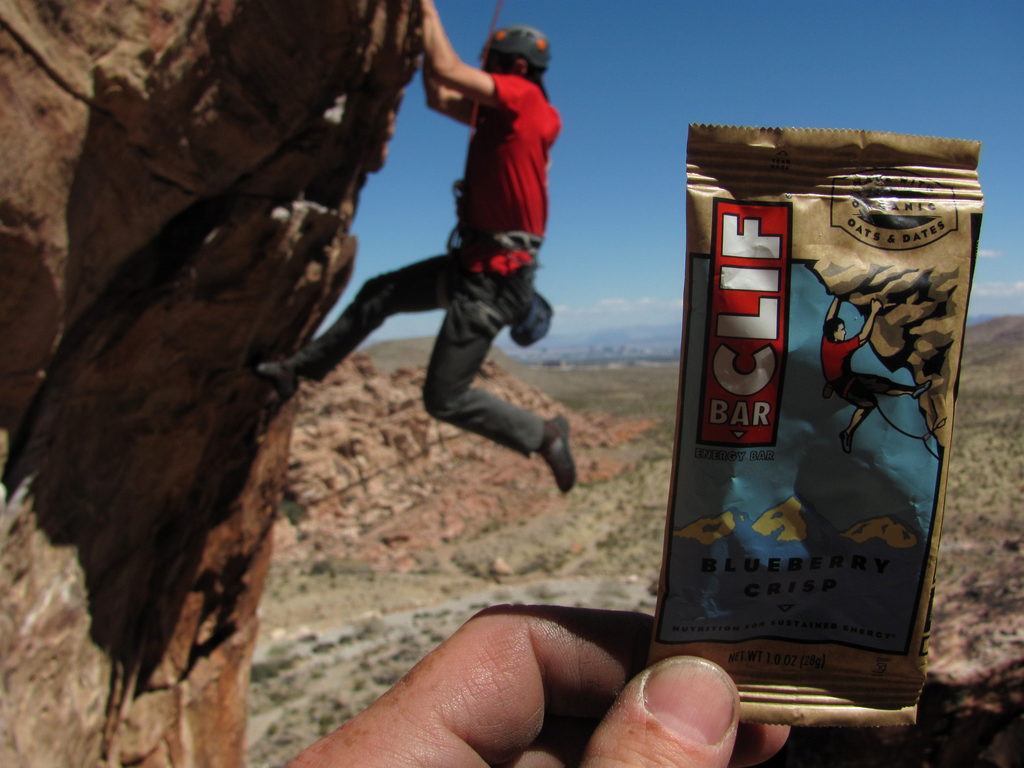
[679, 713]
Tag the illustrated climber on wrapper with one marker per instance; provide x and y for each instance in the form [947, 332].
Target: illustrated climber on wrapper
[859, 389]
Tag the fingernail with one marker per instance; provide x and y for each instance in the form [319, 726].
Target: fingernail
[691, 697]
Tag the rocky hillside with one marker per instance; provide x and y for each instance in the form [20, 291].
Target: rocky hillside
[370, 470]
[178, 184]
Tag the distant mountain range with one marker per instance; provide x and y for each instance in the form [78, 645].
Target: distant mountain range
[661, 343]
[637, 345]
[651, 343]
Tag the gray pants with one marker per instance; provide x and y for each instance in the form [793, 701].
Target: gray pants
[478, 305]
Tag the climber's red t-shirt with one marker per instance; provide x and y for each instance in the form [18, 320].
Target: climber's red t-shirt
[506, 182]
[834, 354]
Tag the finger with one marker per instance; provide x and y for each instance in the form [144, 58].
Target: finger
[564, 740]
[584, 656]
[483, 695]
[680, 713]
[756, 743]
[560, 744]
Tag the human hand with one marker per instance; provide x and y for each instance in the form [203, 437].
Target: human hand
[548, 687]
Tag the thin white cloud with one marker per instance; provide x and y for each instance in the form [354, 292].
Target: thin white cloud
[998, 298]
[618, 312]
[989, 254]
[987, 298]
[999, 289]
[619, 306]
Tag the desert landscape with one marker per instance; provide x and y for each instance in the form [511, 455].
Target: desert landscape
[395, 530]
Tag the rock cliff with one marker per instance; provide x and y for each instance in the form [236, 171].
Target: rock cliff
[179, 182]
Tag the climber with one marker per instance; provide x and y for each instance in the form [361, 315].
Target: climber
[858, 389]
[485, 281]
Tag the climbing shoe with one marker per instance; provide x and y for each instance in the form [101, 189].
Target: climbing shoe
[555, 450]
[281, 376]
[846, 441]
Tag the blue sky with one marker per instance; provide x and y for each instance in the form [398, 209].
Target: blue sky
[628, 78]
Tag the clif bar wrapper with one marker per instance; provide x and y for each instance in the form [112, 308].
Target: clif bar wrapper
[827, 281]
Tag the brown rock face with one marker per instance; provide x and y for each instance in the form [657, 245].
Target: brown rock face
[175, 203]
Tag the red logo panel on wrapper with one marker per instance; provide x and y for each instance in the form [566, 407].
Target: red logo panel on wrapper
[745, 341]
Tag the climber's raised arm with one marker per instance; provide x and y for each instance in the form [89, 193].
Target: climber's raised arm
[869, 324]
[449, 81]
[446, 100]
[833, 309]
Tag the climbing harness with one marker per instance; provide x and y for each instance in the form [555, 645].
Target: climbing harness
[515, 240]
[535, 321]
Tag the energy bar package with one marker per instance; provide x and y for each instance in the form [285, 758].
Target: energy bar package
[827, 281]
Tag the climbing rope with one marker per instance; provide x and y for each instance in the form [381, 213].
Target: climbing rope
[929, 433]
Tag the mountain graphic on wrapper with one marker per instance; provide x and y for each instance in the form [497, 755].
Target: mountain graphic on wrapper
[788, 522]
